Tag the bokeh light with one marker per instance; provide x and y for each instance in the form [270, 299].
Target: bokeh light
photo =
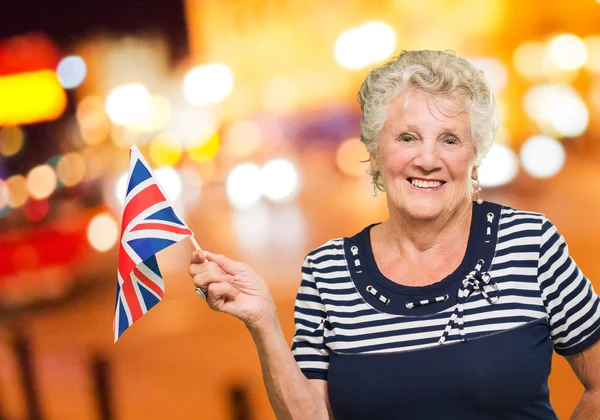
[102, 232]
[155, 118]
[166, 150]
[193, 124]
[70, 169]
[279, 180]
[11, 141]
[36, 210]
[499, 167]
[206, 151]
[31, 97]
[350, 157]
[557, 109]
[128, 103]
[542, 156]
[381, 39]
[18, 192]
[528, 59]
[208, 84]
[349, 49]
[592, 43]
[71, 71]
[94, 124]
[41, 181]
[243, 185]
[567, 51]
[370, 43]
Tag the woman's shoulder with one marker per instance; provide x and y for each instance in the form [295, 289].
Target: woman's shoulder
[512, 215]
[330, 249]
[335, 247]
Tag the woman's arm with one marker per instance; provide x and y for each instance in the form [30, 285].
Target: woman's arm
[586, 366]
[292, 395]
[234, 288]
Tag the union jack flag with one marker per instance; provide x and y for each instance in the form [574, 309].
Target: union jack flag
[149, 224]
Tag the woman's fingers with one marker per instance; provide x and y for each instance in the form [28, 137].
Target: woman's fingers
[219, 294]
[227, 264]
[205, 279]
[198, 257]
[204, 267]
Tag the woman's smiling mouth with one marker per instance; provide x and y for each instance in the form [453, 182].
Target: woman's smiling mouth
[426, 184]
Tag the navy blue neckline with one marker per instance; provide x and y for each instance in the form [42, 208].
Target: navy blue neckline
[475, 250]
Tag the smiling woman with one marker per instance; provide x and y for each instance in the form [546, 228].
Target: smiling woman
[450, 308]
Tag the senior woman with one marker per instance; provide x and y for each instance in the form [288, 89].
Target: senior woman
[451, 308]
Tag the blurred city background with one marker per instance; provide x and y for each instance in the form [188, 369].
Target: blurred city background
[247, 111]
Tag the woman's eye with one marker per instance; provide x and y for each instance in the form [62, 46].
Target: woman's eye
[405, 138]
[451, 140]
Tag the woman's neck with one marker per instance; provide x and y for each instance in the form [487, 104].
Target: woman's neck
[412, 236]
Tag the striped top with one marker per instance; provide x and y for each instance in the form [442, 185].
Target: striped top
[517, 291]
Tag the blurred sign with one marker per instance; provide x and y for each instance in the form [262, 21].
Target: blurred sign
[26, 53]
[31, 91]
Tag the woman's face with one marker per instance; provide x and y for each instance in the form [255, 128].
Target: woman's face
[425, 158]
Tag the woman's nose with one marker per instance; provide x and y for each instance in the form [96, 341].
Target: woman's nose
[428, 156]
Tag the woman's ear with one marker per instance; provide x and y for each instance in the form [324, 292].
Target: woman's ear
[475, 173]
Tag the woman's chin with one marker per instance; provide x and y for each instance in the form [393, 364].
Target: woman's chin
[425, 209]
[424, 213]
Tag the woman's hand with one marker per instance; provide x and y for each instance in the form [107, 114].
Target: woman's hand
[233, 288]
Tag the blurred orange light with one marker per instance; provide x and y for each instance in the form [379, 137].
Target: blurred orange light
[166, 150]
[93, 122]
[529, 58]
[11, 141]
[90, 111]
[31, 97]
[17, 187]
[41, 181]
[71, 169]
[349, 156]
[208, 150]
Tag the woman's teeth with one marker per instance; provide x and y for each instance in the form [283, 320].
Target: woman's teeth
[425, 184]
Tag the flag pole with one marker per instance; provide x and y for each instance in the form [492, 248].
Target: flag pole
[195, 243]
[201, 293]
